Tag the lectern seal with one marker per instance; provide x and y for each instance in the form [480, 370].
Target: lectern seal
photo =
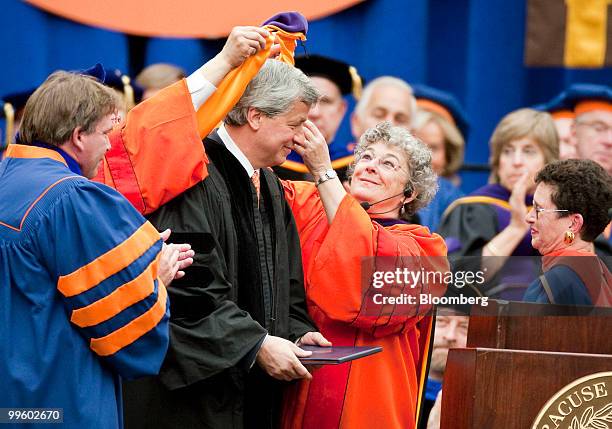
[583, 404]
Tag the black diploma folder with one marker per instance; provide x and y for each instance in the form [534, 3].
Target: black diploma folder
[336, 355]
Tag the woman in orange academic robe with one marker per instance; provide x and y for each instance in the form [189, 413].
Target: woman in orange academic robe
[344, 242]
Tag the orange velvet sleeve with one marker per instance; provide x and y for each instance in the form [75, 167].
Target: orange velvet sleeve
[305, 203]
[339, 276]
[157, 154]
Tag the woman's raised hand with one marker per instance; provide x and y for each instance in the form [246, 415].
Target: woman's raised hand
[313, 149]
[518, 209]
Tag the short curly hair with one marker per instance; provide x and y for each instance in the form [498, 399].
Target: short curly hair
[580, 186]
[422, 179]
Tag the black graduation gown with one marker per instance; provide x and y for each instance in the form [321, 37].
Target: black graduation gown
[246, 281]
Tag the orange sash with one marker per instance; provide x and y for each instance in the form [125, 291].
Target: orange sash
[158, 153]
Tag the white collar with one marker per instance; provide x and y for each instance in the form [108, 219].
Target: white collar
[235, 150]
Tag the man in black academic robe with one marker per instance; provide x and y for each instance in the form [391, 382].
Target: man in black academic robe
[236, 314]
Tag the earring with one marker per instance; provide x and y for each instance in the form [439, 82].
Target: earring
[569, 237]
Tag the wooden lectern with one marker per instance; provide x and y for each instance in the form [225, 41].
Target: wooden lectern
[518, 356]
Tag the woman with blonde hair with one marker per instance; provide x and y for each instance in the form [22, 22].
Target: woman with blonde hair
[442, 125]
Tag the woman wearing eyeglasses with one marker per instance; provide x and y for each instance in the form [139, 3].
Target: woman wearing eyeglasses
[570, 209]
[345, 237]
[490, 222]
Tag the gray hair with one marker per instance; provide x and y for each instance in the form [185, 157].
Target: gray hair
[398, 83]
[422, 178]
[273, 91]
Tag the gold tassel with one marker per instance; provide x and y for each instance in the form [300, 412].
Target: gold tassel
[128, 93]
[357, 82]
[9, 114]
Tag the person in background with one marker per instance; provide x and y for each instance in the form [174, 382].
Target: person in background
[563, 116]
[334, 80]
[441, 124]
[12, 112]
[450, 332]
[592, 131]
[83, 275]
[128, 93]
[386, 98]
[592, 128]
[583, 116]
[156, 77]
[570, 209]
[491, 220]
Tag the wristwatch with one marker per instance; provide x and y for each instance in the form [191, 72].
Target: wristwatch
[327, 175]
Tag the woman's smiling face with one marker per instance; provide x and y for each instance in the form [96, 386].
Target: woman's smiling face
[381, 172]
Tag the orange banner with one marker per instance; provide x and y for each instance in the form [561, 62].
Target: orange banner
[183, 18]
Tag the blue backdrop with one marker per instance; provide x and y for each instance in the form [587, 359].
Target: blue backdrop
[473, 48]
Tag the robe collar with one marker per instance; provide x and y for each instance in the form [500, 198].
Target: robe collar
[235, 150]
[389, 222]
[72, 164]
[39, 149]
